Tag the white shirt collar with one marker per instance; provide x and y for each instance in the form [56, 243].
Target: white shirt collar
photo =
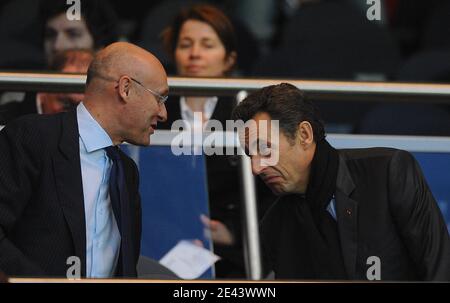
[188, 115]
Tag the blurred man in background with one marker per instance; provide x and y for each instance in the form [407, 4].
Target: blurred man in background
[69, 61]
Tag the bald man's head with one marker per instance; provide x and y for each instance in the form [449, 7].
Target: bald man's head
[122, 58]
[125, 92]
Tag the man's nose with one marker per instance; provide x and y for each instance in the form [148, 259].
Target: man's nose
[256, 165]
[162, 115]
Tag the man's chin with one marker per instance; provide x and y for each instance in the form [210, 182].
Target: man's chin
[143, 142]
[276, 190]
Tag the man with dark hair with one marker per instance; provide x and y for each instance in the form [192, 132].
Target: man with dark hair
[68, 61]
[66, 190]
[96, 28]
[340, 209]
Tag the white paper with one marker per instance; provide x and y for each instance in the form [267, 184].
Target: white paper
[188, 261]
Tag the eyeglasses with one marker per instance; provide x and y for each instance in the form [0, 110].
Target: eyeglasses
[161, 99]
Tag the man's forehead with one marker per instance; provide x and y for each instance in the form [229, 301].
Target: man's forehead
[156, 83]
[263, 123]
[155, 74]
[259, 129]
[262, 116]
[60, 22]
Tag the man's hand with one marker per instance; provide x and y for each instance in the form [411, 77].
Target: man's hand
[219, 232]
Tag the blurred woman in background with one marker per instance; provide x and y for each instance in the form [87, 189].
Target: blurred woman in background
[202, 43]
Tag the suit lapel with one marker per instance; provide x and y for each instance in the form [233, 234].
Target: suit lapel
[67, 169]
[347, 214]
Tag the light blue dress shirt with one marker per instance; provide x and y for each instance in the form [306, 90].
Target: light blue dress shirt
[102, 233]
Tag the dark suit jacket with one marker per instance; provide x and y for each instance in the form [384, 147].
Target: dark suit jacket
[385, 209]
[42, 217]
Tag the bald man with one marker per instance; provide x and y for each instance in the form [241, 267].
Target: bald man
[69, 201]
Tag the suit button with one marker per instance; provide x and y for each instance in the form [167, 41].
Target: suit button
[348, 211]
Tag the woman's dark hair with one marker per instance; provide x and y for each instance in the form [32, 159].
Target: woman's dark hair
[287, 104]
[204, 13]
[99, 15]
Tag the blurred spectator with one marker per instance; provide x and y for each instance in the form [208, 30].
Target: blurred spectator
[155, 21]
[30, 29]
[202, 43]
[69, 61]
[162, 14]
[96, 29]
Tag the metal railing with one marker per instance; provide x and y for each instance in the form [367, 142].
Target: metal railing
[320, 90]
[329, 90]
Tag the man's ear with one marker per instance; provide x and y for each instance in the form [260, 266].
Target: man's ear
[124, 87]
[305, 134]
